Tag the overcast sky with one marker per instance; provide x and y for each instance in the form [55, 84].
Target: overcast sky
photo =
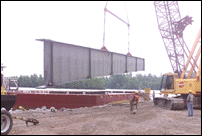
[81, 23]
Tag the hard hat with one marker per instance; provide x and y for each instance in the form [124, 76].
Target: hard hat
[136, 92]
[190, 91]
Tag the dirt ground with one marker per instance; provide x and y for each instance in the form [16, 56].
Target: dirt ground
[110, 120]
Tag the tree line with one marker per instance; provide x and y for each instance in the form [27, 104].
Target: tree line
[127, 81]
[122, 81]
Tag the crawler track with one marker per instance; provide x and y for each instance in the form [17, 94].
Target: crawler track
[170, 103]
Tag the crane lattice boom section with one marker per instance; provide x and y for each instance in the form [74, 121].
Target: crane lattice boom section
[171, 27]
[174, 45]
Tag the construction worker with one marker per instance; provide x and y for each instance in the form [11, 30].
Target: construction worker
[153, 95]
[134, 101]
[190, 99]
[165, 95]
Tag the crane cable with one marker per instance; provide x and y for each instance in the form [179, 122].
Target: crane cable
[188, 9]
[103, 47]
[128, 30]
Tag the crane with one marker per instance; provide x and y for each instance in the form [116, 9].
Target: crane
[171, 27]
[7, 102]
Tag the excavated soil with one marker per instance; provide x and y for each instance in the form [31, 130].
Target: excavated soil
[109, 120]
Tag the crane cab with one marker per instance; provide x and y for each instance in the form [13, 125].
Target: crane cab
[167, 83]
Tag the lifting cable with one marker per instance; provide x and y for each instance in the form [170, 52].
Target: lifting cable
[106, 10]
[128, 31]
[103, 47]
[188, 9]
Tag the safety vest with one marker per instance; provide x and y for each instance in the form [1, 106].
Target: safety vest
[136, 98]
[191, 98]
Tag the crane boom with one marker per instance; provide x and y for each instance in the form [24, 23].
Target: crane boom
[173, 44]
[171, 27]
[190, 55]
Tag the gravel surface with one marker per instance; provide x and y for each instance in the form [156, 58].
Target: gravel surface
[109, 120]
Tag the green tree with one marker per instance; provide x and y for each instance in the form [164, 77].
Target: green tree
[94, 83]
[127, 81]
[30, 81]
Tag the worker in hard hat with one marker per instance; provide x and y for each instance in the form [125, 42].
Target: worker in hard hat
[190, 99]
[134, 101]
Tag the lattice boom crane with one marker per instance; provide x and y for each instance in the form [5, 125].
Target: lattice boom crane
[171, 27]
